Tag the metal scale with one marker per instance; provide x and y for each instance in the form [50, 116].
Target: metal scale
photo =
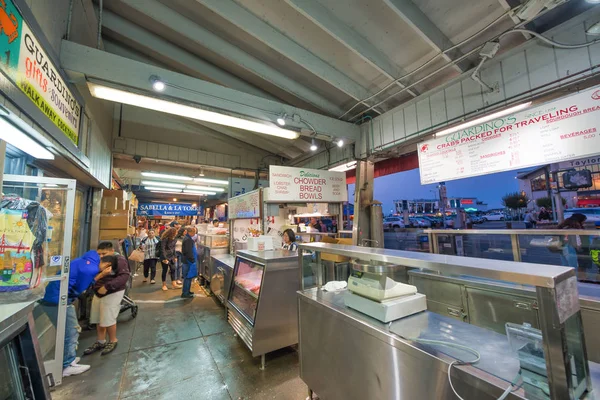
[372, 292]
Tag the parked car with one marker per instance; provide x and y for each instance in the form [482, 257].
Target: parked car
[418, 222]
[497, 216]
[393, 223]
[592, 214]
[476, 219]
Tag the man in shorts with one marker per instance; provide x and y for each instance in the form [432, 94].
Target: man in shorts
[109, 289]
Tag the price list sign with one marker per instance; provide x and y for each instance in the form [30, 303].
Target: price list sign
[558, 131]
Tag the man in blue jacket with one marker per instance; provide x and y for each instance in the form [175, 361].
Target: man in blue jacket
[83, 271]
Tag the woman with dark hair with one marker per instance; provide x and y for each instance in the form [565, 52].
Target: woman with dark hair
[289, 240]
[167, 257]
[109, 288]
[572, 243]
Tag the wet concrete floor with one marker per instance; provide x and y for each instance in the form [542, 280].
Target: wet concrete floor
[180, 349]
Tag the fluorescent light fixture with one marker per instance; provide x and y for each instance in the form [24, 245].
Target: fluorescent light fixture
[162, 189]
[340, 143]
[593, 1]
[16, 137]
[313, 146]
[214, 181]
[169, 107]
[485, 118]
[344, 167]
[164, 184]
[166, 176]
[594, 30]
[198, 192]
[208, 188]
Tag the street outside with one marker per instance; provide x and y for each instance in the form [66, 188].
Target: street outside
[496, 247]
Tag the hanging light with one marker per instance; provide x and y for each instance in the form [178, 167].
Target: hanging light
[281, 119]
[340, 143]
[157, 84]
[313, 146]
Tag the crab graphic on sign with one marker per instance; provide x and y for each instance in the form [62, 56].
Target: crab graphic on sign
[9, 25]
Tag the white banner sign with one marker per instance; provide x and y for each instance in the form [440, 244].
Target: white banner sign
[562, 130]
[245, 206]
[287, 184]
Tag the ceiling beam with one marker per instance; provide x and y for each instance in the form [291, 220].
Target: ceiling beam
[188, 30]
[427, 30]
[267, 34]
[327, 21]
[131, 74]
[169, 53]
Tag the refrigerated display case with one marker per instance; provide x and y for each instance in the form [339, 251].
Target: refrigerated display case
[222, 264]
[262, 305]
[208, 245]
[21, 365]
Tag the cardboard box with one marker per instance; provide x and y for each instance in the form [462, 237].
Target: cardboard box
[110, 234]
[119, 194]
[335, 257]
[114, 222]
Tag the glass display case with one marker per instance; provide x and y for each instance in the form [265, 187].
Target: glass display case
[216, 241]
[246, 287]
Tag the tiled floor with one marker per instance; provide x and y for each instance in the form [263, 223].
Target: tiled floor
[179, 349]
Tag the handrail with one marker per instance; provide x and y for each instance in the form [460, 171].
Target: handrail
[540, 275]
[513, 231]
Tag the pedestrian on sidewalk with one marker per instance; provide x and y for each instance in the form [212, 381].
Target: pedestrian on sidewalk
[151, 247]
[109, 289]
[81, 275]
[179, 255]
[530, 221]
[167, 258]
[190, 255]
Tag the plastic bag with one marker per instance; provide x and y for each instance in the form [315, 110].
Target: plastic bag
[23, 249]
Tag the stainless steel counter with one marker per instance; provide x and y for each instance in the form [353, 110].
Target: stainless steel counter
[227, 259]
[358, 345]
[269, 255]
[535, 274]
[401, 368]
[12, 313]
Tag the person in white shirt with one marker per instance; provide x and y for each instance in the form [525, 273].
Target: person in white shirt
[289, 240]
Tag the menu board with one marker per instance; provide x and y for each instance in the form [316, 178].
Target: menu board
[562, 130]
[245, 206]
[287, 184]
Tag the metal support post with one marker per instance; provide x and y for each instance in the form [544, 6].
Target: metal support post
[516, 247]
[363, 198]
[319, 271]
[262, 362]
[563, 340]
[434, 243]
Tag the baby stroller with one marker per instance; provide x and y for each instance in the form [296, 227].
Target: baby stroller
[127, 303]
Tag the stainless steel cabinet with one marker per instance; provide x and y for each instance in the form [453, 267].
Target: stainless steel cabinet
[492, 310]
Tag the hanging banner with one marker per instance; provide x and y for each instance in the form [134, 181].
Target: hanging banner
[245, 206]
[167, 210]
[562, 130]
[287, 184]
[24, 60]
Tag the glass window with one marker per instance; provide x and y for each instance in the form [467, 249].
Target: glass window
[539, 183]
[77, 225]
